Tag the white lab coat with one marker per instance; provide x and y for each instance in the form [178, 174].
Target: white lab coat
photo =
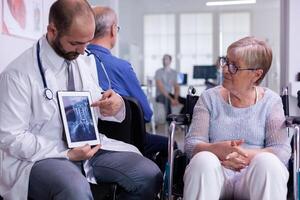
[30, 125]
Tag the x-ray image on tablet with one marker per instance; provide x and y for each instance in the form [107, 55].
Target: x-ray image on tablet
[78, 118]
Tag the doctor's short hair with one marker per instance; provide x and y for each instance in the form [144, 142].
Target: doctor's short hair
[105, 17]
[63, 12]
[253, 53]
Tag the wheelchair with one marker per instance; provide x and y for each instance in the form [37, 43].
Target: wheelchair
[177, 161]
[171, 190]
[293, 122]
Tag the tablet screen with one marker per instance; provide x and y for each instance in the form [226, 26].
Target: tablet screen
[78, 119]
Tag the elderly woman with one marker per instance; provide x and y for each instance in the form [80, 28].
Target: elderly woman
[237, 141]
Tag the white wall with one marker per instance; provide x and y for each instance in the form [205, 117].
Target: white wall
[131, 34]
[294, 45]
[12, 46]
[266, 25]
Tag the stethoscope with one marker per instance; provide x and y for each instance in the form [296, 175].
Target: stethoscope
[48, 94]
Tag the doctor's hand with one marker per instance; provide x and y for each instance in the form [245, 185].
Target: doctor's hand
[110, 103]
[82, 153]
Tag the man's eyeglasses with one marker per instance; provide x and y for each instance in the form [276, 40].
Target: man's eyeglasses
[118, 28]
[232, 68]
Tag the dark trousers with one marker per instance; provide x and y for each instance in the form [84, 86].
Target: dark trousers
[61, 179]
[167, 103]
[156, 149]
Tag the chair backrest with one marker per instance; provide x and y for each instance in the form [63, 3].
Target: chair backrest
[138, 128]
[131, 130]
[191, 101]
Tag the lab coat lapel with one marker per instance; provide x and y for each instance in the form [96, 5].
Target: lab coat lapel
[88, 74]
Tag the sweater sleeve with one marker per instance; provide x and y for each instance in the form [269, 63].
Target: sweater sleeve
[199, 127]
[276, 133]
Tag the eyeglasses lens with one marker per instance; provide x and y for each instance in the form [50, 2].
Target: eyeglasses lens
[232, 68]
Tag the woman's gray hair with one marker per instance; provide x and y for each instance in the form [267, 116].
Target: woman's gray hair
[254, 53]
[105, 17]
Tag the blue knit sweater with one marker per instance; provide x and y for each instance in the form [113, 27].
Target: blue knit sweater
[260, 125]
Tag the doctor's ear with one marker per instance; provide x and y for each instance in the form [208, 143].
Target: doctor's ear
[51, 31]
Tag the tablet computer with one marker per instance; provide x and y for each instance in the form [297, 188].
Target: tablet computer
[78, 118]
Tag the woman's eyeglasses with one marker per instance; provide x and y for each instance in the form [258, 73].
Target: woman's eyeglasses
[232, 68]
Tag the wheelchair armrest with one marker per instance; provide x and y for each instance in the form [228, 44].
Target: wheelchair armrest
[292, 120]
[296, 120]
[180, 119]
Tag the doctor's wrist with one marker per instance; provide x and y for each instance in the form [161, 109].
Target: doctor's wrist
[67, 154]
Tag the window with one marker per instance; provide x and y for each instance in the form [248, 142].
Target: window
[233, 26]
[159, 39]
[196, 41]
[194, 44]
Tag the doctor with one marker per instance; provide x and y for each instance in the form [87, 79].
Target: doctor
[34, 160]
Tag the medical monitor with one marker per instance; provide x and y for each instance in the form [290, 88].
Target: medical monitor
[205, 72]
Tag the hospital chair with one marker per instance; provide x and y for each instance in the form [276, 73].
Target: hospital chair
[132, 130]
[171, 184]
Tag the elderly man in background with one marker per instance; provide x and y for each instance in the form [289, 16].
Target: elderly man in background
[121, 77]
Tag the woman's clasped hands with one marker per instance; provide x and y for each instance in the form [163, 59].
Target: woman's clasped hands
[231, 154]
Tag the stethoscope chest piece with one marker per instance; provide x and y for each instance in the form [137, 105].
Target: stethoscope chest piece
[48, 94]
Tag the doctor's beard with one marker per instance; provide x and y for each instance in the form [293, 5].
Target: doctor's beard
[72, 55]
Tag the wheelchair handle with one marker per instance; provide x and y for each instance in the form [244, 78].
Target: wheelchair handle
[191, 90]
[298, 97]
[285, 101]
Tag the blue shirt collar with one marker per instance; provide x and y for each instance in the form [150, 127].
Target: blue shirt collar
[95, 47]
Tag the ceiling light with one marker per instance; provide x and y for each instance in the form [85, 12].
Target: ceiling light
[225, 3]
